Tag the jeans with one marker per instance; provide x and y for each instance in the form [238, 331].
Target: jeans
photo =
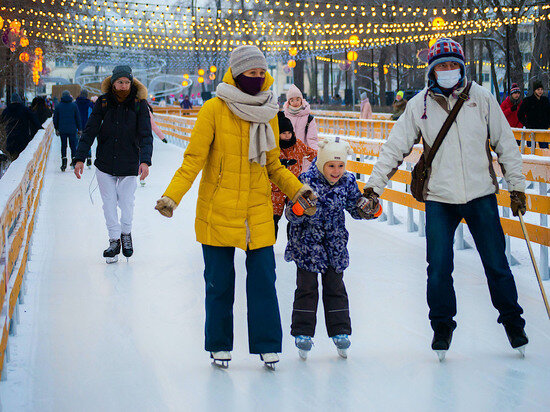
[265, 334]
[73, 140]
[335, 303]
[483, 220]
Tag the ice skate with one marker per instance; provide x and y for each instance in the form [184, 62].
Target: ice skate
[269, 359]
[127, 247]
[442, 341]
[342, 343]
[221, 359]
[304, 345]
[111, 253]
[517, 337]
[63, 164]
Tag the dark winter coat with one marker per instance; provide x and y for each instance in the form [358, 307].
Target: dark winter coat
[123, 131]
[84, 106]
[186, 104]
[535, 113]
[511, 110]
[319, 241]
[66, 118]
[19, 123]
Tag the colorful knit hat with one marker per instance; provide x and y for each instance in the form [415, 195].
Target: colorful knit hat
[445, 50]
[515, 89]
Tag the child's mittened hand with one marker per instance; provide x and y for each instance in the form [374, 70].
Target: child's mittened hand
[305, 202]
[166, 206]
[365, 210]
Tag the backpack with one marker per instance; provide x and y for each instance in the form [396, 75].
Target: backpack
[309, 119]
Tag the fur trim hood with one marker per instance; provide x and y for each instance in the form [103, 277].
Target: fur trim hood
[140, 87]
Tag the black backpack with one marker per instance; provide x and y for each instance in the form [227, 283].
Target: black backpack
[309, 119]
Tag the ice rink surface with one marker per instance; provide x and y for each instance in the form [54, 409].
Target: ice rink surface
[129, 336]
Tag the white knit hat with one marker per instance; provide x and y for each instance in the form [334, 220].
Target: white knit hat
[332, 149]
[244, 58]
[293, 91]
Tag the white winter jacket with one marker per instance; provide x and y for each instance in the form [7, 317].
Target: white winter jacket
[462, 169]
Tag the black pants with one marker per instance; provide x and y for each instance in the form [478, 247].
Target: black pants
[73, 141]
[335, 303]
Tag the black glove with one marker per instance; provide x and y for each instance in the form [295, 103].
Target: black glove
[518, 202]
[288, 162]
[164, 140]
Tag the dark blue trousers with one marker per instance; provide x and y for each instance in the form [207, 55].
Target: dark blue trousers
[483, 220]
[264, 321]
[73, 141]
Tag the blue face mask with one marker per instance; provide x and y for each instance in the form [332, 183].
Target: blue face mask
[250, 85]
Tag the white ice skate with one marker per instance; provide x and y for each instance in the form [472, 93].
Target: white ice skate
[521, 350]
[304, 345]
[342, 343]
[221, 359]
[441, 354]
[113, 259]
[269, 359]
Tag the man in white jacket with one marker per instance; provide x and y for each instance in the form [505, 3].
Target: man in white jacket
[462, 184]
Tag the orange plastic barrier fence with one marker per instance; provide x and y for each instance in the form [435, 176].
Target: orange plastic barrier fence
[17, 224]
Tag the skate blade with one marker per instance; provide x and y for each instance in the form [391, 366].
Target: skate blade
[222, 364]
[343, 353]
[441, 354]
[270, 365]
[521, 350]
[303, 353]
[113, 259]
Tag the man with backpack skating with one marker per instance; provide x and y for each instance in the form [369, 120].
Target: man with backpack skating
[120, 120]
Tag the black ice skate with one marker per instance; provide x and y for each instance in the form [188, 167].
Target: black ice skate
[111, 253]
[442, 340]
[127, 248]
[221, 359]
[517, 337]
[63, 163]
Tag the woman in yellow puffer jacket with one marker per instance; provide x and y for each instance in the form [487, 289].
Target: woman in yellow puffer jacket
[235, 144]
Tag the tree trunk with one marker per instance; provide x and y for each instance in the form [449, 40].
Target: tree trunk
[381, 76]
[541, 54]
[326, 86]
[516, 63]
[493, 71]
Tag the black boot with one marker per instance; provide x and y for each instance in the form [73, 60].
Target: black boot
[111, 253]
[63, 163]
[516, 336]
[127, 248]
[89, 162]
[443, 334]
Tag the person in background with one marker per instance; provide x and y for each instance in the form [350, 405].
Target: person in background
[366, 109]
[186, 103]
[510, 106]
[293, 152]
[399, 105]
[121, 122]
[299, 112]
[66, 120]
[18, 122]
[85, 107]
[41, 110]
[534, 112]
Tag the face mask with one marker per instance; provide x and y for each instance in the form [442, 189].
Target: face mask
[250, 85]
[448, 78]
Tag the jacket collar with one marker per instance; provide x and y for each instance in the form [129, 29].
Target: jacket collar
[141, 90]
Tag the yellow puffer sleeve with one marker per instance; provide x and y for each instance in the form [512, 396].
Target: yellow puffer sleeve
[278, 174]
[196, 153]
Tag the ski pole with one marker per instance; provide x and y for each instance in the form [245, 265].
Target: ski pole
[541, 286]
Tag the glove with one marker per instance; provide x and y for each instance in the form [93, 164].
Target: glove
[166, 206]
[288, 162]
[372, 207]
[304, 202]
[164, 140]
[514, 107]
[363, 208]
[518, 202]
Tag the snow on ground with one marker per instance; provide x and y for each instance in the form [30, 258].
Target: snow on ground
[129, 336]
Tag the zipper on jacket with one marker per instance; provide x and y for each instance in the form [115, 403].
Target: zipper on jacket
[461, 155]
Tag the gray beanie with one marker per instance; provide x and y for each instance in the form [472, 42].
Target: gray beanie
[244, 58]
[66, 93]
[121, 71]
